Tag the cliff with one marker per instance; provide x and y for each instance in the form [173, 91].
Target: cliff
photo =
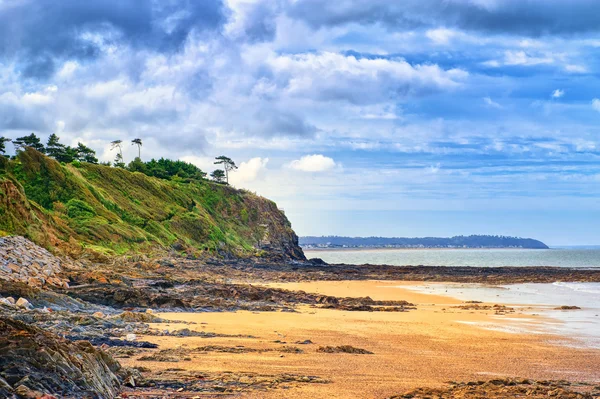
[91, 210]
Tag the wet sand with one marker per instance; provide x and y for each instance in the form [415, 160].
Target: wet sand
[423, 347]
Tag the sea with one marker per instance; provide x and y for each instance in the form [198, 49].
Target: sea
[537, 301]
[587, 257]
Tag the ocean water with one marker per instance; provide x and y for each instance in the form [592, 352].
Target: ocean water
[560, 257]
[571, 327]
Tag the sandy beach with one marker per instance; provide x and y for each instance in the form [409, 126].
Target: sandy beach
[425, 347]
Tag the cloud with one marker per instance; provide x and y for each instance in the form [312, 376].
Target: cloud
[596, 104]
[491, 103]
[440, 36]
[558, 93]
[331, 76]
[573, 68]
[40, 33]
[522, 58]
[313, 163]
[249, 171]
[529, 18]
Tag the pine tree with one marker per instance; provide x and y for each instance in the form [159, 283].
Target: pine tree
[228, 165]
[57, 150]
[218, 176]
[32, 141]
[85, 154]
[3, 141]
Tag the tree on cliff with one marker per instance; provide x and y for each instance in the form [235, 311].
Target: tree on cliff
[59, 151]
[138, 142]
[85, 154]
[218, 176]
[3, 141]
[228, 165]
[32, 141]
[117, 144]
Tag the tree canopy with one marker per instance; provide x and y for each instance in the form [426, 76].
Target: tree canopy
[218, 176]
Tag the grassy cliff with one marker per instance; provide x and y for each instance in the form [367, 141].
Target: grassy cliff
[90, 209]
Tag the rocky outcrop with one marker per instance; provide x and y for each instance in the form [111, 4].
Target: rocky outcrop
[23, 261]
[505, 388]
[34, 363]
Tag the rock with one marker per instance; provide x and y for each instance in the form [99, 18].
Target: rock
[130, 337]
[568, 308]
[343, 349]
[37, 363]
[11, 300]
[25, 392]
[149, 311]
[99, 315]
[4, 301]
[24, 304]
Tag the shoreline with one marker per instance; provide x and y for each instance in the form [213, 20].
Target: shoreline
[419, 348]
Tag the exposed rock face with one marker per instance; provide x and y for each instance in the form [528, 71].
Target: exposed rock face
[34, 362]
[23, 261]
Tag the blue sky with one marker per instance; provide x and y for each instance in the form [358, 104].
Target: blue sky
[412, 118]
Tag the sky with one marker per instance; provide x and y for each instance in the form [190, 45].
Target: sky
[374, 117]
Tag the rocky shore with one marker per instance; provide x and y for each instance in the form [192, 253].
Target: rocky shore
[64, 324]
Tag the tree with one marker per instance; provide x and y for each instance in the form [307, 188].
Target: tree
[119, 162]
[58, 151]
[218, 176]
[85, 153]
[32, 141]
[3, 141]
[228, 165]
[138, 142]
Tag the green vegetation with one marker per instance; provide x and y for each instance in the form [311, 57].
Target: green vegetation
[228, 165]
[218, 176]
[86, 208]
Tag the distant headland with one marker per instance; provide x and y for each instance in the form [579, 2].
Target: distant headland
[472, 241]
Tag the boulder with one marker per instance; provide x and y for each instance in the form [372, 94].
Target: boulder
[24, 304]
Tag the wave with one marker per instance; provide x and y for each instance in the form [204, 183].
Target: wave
[590, 288]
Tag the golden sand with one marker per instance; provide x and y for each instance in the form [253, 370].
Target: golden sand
[423, 347]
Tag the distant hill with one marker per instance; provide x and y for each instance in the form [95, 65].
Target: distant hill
[473, 241]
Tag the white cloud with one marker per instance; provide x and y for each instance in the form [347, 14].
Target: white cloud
[558, 93]
[67, 70]
[596, 104]
[313, 163]
[522, 58]
[440, 36]
[249, 171]
[330, 76]
[575, 68]
[491, 103]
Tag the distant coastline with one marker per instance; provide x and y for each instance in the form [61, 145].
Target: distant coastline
[456, 242]
[316, 249]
